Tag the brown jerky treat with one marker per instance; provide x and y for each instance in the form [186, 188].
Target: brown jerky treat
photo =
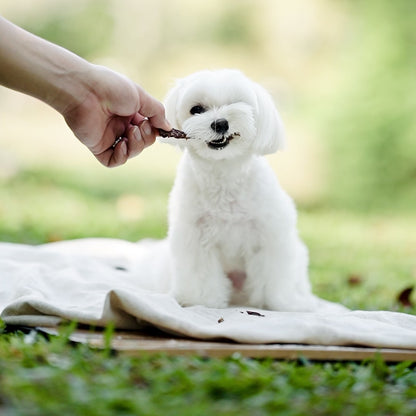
[176, 134]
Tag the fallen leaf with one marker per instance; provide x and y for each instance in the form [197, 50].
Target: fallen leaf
[355, 280]
[54, 237]
[253, 313]
[404, 297]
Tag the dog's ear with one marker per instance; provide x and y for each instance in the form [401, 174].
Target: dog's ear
[270, 131]
[171, 105]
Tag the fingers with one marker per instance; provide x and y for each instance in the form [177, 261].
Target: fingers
[120, 154]
[140, 137]
[114, 156]
[137, 119]
[133, 142]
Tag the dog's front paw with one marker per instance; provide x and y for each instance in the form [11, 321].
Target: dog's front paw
[218, 299]
[305, 303]
[186, 300]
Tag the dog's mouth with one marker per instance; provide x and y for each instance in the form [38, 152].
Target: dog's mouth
[220, 144]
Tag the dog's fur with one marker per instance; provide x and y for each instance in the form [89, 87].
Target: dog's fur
[232, 228]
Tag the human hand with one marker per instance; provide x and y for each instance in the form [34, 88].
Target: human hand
[111, 107]
[99, 105]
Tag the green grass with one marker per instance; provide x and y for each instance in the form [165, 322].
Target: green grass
[41, 205]
[380, 250]
[53, 377]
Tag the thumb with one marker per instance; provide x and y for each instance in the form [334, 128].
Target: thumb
[153, 110]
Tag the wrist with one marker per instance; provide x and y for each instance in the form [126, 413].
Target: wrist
[69, 86]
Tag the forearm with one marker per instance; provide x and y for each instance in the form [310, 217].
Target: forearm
[39, 68]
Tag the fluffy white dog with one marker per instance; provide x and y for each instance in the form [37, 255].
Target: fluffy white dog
[232, 228]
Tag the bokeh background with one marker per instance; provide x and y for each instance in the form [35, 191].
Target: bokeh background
[342, 73]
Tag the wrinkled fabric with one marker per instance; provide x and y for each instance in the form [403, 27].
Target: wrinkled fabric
[98, 281]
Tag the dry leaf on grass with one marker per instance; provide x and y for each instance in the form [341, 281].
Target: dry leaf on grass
[404, 297]
[355, 280]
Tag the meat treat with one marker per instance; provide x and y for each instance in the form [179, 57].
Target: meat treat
[176, 134]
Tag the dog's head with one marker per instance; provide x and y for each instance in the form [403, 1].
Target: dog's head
[224, 114]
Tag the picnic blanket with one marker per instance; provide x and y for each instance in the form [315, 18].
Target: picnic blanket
[98, 281]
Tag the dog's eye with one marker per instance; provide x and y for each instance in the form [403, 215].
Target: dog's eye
[197, 109]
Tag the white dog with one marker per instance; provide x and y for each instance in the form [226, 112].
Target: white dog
[232, 229]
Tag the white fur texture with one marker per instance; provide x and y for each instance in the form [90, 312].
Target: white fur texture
[232, 229]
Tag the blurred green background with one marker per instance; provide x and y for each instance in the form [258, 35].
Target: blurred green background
[342, 74]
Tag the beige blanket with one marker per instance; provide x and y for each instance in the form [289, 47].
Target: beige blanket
[97, 281]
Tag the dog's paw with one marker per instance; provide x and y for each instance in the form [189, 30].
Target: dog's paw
[327, 306]
[213, 305]
[305, 303]
[218, 299]
[187, 300]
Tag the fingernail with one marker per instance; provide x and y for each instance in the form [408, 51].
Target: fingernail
[123, 146]
[147, 129]
[136, 133]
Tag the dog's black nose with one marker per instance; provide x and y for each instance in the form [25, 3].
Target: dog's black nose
[220, 126]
